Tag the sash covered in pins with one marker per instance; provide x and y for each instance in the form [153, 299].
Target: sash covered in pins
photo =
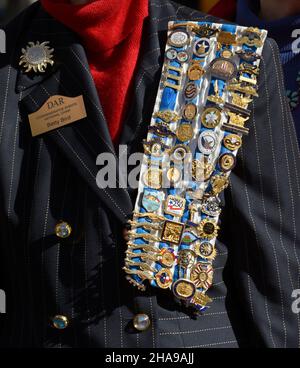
[209, 77]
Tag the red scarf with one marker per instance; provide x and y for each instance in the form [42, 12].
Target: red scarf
[111, 32]
[225, 9]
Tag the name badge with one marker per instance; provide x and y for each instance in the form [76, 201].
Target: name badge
[56, 112]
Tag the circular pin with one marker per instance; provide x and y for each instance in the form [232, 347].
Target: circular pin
[179, 152]
[205, 250]
[182, 56]
[141, 322]
[202, 275]
[186, 258]
[190, 111]
[156, 149]
[173, 175]
[232, 142]
[153, 178]
[201, 47]
[223, 68]
[211, 206]
[164, 278]
[36, 57]
[171, 54]
[167, 258]
[191, 91]
[226, 54]
[211, 117]
[208, 229]
[60, 322]
[178, 39]
[227, 161]
[63, 230]
[185, 132]
[184, 289]
[195, 72]
[207, 142]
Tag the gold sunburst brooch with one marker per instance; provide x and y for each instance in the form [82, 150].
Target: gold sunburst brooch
[36, 57]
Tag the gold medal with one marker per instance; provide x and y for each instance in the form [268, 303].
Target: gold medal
[202, 275]
[201, 170]
[232, 142]
[227, 161]
[173, 175]
[211, 117]
[153, 178]
[195, 72]
[190, 111]
[185, 132]
[172, 232]
[208, 229]
[201, 299]
[226, 38]
[219, 183]
[226, 54]
[186, 258]
[167, 258]
[205, 250]
[184, 289]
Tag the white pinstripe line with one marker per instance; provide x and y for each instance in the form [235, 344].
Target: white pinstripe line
[187, 317]
[43, 257]
[72, 251]
[13, 161]
[195, 331]
[259, 247]
[86, 276]
[102, 286]
[153, 322]
[5, 102]
[213, 344]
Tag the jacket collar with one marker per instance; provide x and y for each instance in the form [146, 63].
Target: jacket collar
[82, 141]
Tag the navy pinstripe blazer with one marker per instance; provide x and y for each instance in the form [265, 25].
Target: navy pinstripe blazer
[52, 177]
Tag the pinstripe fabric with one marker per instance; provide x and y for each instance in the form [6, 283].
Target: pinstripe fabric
[52, 177]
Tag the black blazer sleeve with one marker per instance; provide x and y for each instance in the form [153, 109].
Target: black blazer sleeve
[263, 205]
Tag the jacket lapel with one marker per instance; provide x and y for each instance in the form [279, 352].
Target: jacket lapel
[81, 142]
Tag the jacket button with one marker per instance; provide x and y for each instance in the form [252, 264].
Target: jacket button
[63, 230]
[60, 322]
[141, 322]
